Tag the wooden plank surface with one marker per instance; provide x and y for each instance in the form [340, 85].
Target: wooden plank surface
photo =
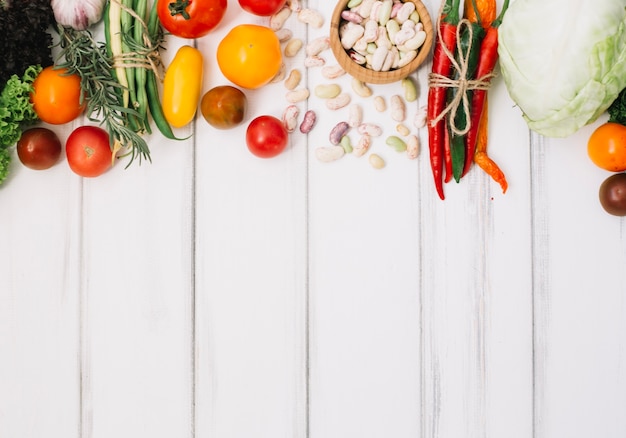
[211, 293]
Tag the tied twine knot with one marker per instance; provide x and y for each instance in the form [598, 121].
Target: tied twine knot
[147, 57]
[461, 82]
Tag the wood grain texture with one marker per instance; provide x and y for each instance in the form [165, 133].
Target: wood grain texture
[211, 293]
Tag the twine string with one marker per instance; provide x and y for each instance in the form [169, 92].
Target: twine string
[149, 58]
[461, 82]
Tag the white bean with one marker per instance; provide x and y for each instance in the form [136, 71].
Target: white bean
[361, 88]
[355, 117]
[398, 108]
[338, 102]
[376, 161]
[277, 21]
[327, 154]
[299, 95]
[311, 17]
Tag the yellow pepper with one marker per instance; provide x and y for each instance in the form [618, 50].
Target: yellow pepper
[182, 86]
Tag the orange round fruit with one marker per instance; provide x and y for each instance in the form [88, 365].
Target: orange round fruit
[57, 96]
[607, 147]
[249, 55]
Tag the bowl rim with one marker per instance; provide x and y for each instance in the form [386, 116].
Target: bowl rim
[371, 76]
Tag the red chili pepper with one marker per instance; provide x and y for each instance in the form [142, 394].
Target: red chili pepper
[486, 65]
[442, 65]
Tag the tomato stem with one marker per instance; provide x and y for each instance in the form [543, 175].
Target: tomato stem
[179, 7]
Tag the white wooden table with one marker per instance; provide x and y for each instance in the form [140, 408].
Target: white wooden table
[215, 294]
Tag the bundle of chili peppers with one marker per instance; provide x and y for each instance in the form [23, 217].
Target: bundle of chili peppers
[464, 59]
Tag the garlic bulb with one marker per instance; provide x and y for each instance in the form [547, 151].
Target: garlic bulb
[78, 14]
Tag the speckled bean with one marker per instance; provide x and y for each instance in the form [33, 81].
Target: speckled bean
[338, 102]
[308, 122]
[338, 131]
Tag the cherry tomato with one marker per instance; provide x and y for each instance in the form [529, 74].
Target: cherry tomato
[39, 148]
[191, 18]
[88, 151]
[607, 147]
[249, 55]
[264, 8]
[56, 96]
[266, 136]
[224, 107]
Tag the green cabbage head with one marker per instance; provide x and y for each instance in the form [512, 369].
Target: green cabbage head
[563, 61]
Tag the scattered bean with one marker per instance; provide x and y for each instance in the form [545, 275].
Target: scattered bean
[362, 145]
[333, 71]
[371, 129]
[397, 143]
[398, 108]
[295, 5]
[293, 80]
[327, 91]
[284, 34]
[293, 47]
[380, 104]
[317, 46]
[338, 131]
[402, 129]
[355, 117]
[298, 95]
[412, 147]
[326, 154]
[346, 144]
[280, 75]
[410, 89]
[278, 20]
[314, 61]
[361, 88]
[338, 102]
[376, 161]
[420, 118]
[290, 117]
[308, 122]
[311, 17]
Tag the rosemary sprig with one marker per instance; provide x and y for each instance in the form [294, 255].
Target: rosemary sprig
[88, 58]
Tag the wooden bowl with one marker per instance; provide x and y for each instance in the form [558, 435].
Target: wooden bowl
[366, 74]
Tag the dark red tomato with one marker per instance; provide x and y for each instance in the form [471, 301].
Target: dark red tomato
[39, 148]
[224, 107]
[263, 8]
[190, 18]
[88, 151]
[613, 194]
[266, 136]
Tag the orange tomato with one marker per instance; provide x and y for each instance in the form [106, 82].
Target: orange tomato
[56, 96]
[249, 55]
[607, 147]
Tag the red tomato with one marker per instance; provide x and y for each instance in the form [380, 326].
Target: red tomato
[190, 18]
[88, 151]
[266, 136]
[263, 8]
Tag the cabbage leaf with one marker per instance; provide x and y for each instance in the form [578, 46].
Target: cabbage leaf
[563, 61]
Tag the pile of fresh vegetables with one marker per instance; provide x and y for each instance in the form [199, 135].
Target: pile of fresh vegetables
[464, 58]
[115, 83]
